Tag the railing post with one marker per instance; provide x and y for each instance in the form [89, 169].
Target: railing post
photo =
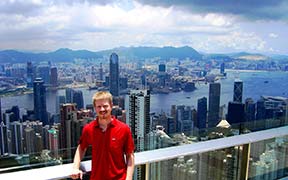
[147, 166]
[245, 162]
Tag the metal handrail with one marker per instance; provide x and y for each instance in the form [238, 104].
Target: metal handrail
[147, 157]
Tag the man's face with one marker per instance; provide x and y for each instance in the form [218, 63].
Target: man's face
[103, 108]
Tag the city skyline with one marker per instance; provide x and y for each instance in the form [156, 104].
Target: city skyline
[207, 26]
[53, 142]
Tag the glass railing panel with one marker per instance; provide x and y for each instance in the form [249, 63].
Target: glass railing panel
[215, 159]
[45, 158]
[269, 159]
[155, 141]
[220, 164]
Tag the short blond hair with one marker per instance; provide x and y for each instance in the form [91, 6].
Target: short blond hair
[102, 95]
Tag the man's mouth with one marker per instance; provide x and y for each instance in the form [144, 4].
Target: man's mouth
[102, 113]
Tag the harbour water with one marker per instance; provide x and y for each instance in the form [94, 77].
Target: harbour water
[255, 84]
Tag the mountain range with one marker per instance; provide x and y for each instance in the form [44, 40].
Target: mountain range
[163, 53]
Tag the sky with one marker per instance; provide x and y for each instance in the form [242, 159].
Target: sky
[208, 26]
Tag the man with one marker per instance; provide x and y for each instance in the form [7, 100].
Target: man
[112, 144]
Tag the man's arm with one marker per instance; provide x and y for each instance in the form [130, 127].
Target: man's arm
[130, 166]
[79, 154]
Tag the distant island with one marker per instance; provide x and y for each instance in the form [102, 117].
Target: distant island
[131, 53]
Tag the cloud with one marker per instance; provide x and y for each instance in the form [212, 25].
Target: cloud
[273, 35]
[98, 25]
[253, 9]
[69, 23]
[20, 7]
[28, 8]
[232, 42]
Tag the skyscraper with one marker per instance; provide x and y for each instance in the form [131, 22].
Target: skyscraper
[214, 103]
[60, 100]
[53, 138]
[260, 110]
[29, 140]
[8, 118]
[162, 74]
[235, 113]
[76, 129]
[101, 72]
[123, 83]
[173, 121]
[222, 68]
[3, 139]
[16, 137]
[114, 75]
[30, 75]
[238, 91]
[171, 125]
[184, 119]
[69, 95]
[14, 113]
[68, 113]
[143, 80]
[250, 110]
[43, 71]
[78, 99]
[41, 141]
[93, 74]
[40, 109]
[137, 106]
[119, 113]
[54, 77]
[201, 113]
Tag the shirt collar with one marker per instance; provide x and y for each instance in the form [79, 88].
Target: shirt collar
[112, 123]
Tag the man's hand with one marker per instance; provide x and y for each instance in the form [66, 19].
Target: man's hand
[76, 173]
[130, 166]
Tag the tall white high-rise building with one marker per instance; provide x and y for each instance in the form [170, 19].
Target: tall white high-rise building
[16, 137]
[3, 139]
[137, 106]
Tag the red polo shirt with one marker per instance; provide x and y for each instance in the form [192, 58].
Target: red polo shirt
[108, 149]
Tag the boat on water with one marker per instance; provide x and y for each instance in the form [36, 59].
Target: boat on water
[92, 87]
